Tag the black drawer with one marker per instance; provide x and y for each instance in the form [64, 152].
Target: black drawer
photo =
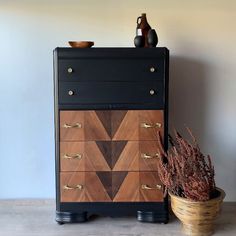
[111, 69]
[112, 93]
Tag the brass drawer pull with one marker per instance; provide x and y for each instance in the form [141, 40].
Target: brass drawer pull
[146, 187]
[146, 126]
[146, 156]
[78, 186]
[75, 156]
[77, 125]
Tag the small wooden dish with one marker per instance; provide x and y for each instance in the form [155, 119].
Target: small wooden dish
[81, 44]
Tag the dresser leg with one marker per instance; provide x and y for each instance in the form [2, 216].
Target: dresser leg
[60, 223]
[152, 217]
[69, 217]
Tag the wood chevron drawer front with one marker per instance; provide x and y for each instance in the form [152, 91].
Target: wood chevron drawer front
[111, 125]
[109, 156]
[122, 186]
[110, 106]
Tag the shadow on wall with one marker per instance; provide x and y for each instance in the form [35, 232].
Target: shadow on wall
[188, 96]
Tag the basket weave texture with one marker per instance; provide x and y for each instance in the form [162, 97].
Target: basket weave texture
[197, 217]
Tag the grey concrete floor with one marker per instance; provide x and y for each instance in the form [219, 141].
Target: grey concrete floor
[36, 218]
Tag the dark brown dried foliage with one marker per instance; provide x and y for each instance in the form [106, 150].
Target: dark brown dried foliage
[185, 171]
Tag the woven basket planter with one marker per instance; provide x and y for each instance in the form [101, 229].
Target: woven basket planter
[197, 217]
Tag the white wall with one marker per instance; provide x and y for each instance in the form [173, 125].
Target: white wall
[201, 37]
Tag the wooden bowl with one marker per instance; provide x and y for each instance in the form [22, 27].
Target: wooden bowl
[81, 44]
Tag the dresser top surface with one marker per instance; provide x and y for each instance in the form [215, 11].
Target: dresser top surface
[67, 52]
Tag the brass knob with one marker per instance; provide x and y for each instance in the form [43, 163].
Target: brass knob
[70, 70]
[70, 92]
[152, 92]
[152, 69]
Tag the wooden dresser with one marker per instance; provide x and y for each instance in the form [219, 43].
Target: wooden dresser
[109, 105]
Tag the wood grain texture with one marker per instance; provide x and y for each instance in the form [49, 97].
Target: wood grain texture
[117, 180]
[91, 160]
[116, 119]
[106, 150]
[112, 167]
[106, 180]
[94, 129]
[105, 119]
[128, 128]
[110, 125]
[117, 148]
[128, 190]
[71, 118]
[150, 148]
[71, 149]
[95, 188]
[96, 191]
[150, 117]
[107, 156]
[107, 186]
[72, 179]
[97, 160]
[150, 179]
[128, 159]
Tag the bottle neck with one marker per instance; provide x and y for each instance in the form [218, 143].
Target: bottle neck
[143, 17]
[143, 22]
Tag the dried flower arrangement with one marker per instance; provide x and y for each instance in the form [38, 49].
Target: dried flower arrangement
[185, 171]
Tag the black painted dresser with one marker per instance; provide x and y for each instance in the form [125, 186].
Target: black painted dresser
[109, 105]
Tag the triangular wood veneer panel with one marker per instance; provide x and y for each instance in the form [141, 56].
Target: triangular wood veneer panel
[117, 148]
[95, 158]
[129, 158]
[127, 128]
[116, 119]
[105, 149]
[95, 191]
[106, 179]
[94, 128]
[105, 118]
[129, 189]
[117, 179]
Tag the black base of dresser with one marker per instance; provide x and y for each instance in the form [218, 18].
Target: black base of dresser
[145, 212]
[69, 217]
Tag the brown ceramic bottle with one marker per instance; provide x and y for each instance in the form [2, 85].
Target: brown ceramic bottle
[143, 27]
